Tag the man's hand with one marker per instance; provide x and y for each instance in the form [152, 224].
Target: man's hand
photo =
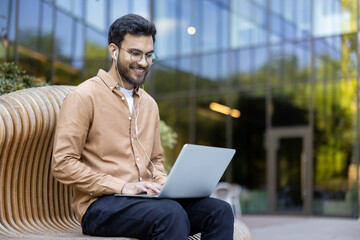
[138, 187]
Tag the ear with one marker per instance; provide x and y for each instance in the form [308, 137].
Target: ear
[113, 50]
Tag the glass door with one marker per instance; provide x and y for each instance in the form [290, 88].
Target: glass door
[289, 170]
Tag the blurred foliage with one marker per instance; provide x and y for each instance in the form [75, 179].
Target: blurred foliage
[168, 136]
[168, 140]
[95, 58]
[13, 78]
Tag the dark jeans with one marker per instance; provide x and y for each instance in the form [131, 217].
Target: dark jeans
[159, 218]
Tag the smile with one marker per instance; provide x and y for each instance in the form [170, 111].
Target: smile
[139, 70]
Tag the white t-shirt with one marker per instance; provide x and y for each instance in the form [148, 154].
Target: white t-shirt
[129, 94]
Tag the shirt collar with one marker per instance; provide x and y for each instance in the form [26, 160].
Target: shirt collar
[111, 83]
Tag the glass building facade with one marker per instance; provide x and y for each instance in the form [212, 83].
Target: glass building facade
[278, 80]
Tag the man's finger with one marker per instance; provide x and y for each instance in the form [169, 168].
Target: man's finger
[153, 186]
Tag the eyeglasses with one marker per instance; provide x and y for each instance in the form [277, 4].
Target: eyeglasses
[137, 55]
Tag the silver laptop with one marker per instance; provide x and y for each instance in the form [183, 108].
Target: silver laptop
[195, 173]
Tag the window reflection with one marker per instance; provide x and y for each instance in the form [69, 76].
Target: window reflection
[261, 2]
[276, 64]
[165, 76]
[208, 65]
[249, 67]
[248, 24]
[224, 29]
[3, 16]
[289, 61]
[348, 55]
[11, 29]
[260, 19]
[289, 177]
[242, 27]
[260, 64]
[276, 6]
[303, 56]
[96, 52]
[166, 25]
[334, 17]
[277, 28]
[66, 74]
[186, 20]
[28, 22]
[334, 130]
[303, 18]
[223, 68]
[207, 119]
[176, 114]
[288, 21]
[118, 8]
[95, 13]
[28, 58]
[245, 66]
[290, 105]
[63, 36]
[78, 59]
[185, 71]
[45, 43]
[4, 42]
[210, 20]
[142, 7]
[73, 7]
[335, 57]
[248, 138]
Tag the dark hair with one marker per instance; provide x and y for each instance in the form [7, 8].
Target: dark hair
[130, 23]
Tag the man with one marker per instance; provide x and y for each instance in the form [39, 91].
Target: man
[108, 141]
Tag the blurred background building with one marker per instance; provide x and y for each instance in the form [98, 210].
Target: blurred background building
[278, 80]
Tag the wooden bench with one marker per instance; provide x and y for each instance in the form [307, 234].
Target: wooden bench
[32, 203]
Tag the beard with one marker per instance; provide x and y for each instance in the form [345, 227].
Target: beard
[124, 72]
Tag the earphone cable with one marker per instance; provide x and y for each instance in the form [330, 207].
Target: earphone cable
[136, 118]
[138, 140]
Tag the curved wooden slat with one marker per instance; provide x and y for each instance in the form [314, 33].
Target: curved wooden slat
[54, 215]
[28, 190]
[5, 123]
[25, 163]
[36, 147]
[11, 168]
[44, 153]
[61, 197]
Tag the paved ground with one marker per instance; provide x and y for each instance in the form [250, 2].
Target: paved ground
[267, 228]
[302, 228]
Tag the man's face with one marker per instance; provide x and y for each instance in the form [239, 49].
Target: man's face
[132, 71]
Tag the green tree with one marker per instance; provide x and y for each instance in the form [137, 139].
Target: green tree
[13, 78]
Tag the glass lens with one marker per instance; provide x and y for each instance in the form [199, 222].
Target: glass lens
[136, 56]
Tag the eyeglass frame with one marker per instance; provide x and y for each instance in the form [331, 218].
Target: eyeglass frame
[154, 57]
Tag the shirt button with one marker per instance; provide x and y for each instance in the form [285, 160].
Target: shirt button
[132, 139]
[129, 118]
[137, 159]
[91, 194]
[122, 98]
[140, 179]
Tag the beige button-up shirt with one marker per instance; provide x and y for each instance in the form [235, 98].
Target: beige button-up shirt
[96, 147]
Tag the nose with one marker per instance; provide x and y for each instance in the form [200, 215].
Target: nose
[143, 61]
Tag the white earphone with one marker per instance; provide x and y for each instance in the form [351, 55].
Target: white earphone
[114, 54]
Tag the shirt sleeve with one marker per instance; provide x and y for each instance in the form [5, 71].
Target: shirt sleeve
[68, 166]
